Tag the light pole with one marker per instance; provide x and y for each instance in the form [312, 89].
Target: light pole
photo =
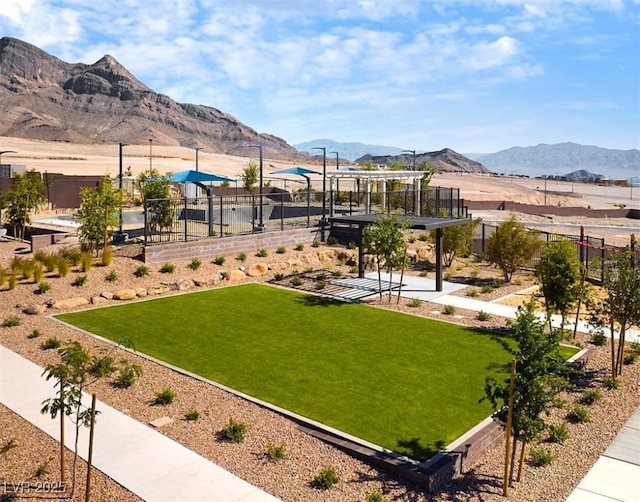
[324, 182]
[197, 150]
[150, 156]
[5, 151]
[337, 183]
[120, 237]
[414, 157]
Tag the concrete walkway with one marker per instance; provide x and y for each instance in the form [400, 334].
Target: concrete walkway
[147, 463]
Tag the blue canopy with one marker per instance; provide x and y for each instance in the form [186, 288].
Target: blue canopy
[301, 171]
[190, 176]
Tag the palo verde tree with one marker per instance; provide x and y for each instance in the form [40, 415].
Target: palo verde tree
[512, 247]
[26, 195]
[537, 379]
[385, 241]
[456, 240]
[619, 308]
[98, 214]
[560, 276]
[155, 190]
[249, 176]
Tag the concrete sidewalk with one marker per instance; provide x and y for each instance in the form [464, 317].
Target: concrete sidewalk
[145, 462]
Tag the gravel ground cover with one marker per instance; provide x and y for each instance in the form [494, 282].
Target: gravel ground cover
[291, 478]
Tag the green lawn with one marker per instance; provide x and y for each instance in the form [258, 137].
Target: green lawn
[406, 383]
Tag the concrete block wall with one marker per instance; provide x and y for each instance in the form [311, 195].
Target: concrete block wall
[228, 246]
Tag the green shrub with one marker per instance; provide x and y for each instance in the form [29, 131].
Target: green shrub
[496, 283]
[320, 285]
[241, 256]
[483, 316]
[352, 245]
[128, 373]
[13, 281]
[475, 272]
[558, 433]
[10, 444]
[590, 396]
[610, 383]
[219, 260]
[296, 281]
[414, 303]
[102, 367]
[634, 348]
[111, 276]
[3, 276]
[517, 282]
[598, 339]
[630, 358]
[423, 237]
[26, 268]
[579, 415]
[326, 478]
[353, 270]
[336, 273]
[107, 256]
[487, 288]
[448, 276]
[72, 255]
[34, 334]
[276, 451]
[315, 244]
[41, 470]
[38, 272]
[62, 266]
[332, 240]
[141, 271]
[12, 321]
[192, 415]
[411, 239]
[376, 496]
[164, 397]
[43, 287]
[51, 343]
[278, 276]
[86, 262]
[262, 253]
[195, 263]
[167, 268]
[235, 431]
[449, 310]
[472, 293]
[281, 250]
[79, 281]
[540, 456]
[299, 247]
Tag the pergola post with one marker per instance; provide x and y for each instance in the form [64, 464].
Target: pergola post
[367, 206]
[439, 259]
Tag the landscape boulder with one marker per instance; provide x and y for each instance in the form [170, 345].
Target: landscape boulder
[236, 276]
[179, 285]
[141, 292]
[70, 303]
[97, 300]
[258, 270]
[125, 294]
[107, 295]
[34, 309]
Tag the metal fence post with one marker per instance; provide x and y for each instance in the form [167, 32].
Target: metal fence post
[145, 223]
[221, 209]
[281, 211]
[253, 213]
[186, 217]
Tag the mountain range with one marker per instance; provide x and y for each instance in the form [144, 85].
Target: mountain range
[45, 98]
[348, 151]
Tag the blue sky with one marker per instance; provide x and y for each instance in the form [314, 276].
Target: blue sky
[474, 76]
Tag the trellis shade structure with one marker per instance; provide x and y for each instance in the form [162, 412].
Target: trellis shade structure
[304, 172]
[371, 176]
[361, 221]
[191, 176]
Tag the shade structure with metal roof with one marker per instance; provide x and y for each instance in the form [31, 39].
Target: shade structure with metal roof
[304, 172]
[191, 176]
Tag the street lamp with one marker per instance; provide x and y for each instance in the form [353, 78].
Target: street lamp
[414, 157]
[150, 156]
[120, 237]
[197, 150]
[324, 181]
[5, 151]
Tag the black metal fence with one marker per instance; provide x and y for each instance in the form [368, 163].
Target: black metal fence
[593, 253]
[188, 219]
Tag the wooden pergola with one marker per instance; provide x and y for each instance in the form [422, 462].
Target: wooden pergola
[362, 221]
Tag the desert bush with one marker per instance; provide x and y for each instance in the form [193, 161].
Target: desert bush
[352, 245]
[540, 456]
[579, 415]
[326, 478]
[276, 451]
[487, 288]
[414, 302]
[43, 287]
[51, 343]
[106, 258]
[79, 281]
[13, 281]
[332, 240]
[34, 334]
[315, 244]
[598, 339]
[472, 293]
[218, 260]
[38, 272]
[299, 247]
[3, 276]
[167, 268]
[141, 271]
[278, 276]
[86, 261]
[483, 316]
[102, 366]
[72, 255]
[281, 250]
[241, 256]
[610, 383]
[62, 266]
[235, 431]
[376, 496]
[192, 415]
[320, 285]
[262, 253]
[423, 237]
[128, 373]
[12, 321]
[195, 263]
[164, 397]
[112, 276]
[558, 433]
[630, 358]
[448, 276]
[296, 281]
[449, 310]
[590, 396]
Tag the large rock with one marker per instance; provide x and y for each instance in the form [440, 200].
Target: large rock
[236, 276]
[34, 309]
[98, 300]
[258, 270]
[107, 295]
[179, 285]
[70, 303]
[158, 290]
[141, 292]
[207, 282]
[125, 294]
[278, 266]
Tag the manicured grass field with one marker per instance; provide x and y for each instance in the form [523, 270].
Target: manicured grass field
[403, 382]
